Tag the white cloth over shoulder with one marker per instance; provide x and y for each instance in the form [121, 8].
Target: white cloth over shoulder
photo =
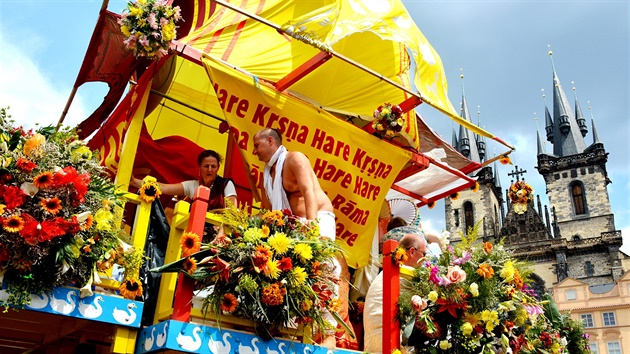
[274, 189]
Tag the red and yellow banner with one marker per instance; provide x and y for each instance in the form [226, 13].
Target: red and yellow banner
[354, 168]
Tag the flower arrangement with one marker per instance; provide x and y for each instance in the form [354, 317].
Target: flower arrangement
[520, 194]
[475, 298]
[149, 27]
[388, 120]
[272, 268]
[57, 225]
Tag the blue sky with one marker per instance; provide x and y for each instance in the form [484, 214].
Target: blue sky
[500, 45]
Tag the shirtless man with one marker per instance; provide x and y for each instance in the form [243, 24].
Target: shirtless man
[290, 183]
[298, 188]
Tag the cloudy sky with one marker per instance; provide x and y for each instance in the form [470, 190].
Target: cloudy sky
[500, 46]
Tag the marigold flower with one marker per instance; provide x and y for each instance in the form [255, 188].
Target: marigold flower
[189, 265]
[485, 270]
[229, 303]
[487, 246]
[261, 255]
[43, 180]
[273, 294]
[190, 243]
[131, 289]
[14, 223]
[51, 205]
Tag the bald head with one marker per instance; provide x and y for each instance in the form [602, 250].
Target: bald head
[416, 248]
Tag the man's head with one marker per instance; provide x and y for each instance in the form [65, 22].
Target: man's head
[266, 142]
[416, 248]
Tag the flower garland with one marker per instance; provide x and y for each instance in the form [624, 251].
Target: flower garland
[475, 298]
[272, 268]
[388, 120]
[520, 194]
[57, 224]
[149, 27]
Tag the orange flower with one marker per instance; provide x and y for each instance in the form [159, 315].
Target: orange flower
[131, 289]
[43, 180]
[400, 256]
[189, 265]
[487, 246]
[454, 196]
[518, 280]
[485, 270]
[88, 223]
[273, 294]
[265, 231]
[33, 143]
[51, 205]
[229, 303]
[504, 160]
[431, 205]
[190, 243]
[475, 187]
[14, 223]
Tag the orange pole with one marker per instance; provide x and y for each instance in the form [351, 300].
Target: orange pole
[391, 292]
[182, 303]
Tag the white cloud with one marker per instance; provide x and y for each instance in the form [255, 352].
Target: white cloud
[625, 234]
[29, 93]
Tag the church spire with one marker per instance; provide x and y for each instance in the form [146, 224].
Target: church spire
[467, 143]
[578, 114]
[596, 139]
[567, 138]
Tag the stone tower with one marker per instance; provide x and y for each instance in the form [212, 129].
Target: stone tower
[585, 241]
[472, 205]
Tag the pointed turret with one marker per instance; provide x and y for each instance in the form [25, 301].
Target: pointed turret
[548, 125]
[455, 141]
[497, 179]
[467, 143]
[541, 144]
[567, 138]
[596, 139]
[579, 118]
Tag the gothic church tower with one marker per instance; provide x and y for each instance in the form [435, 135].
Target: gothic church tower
[471, 206]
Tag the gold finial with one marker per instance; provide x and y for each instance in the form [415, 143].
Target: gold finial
[549, 47]
[461, 75]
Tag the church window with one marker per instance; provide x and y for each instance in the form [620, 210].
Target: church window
[587, 320]
[468, 215]
[571, 294]
[576, 237]
[577, 195]
[456, 215]
[589, 269]
[614, 347]
[609, 319]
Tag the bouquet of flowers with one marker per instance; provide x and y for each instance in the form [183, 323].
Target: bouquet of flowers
[149, 27]
[520, 194]
[474, 298]
[388, 120]
[273, 269]
[56, 221]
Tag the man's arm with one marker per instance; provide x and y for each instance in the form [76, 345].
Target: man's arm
[300, 167]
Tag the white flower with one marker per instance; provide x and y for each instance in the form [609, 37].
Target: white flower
[29, 188]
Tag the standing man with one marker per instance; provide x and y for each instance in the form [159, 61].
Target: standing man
[289, 182]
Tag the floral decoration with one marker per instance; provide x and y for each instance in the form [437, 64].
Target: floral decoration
[505, 160]
[272, 268]
[520, 194]
[57, 219]
[388, 120]
[474, 298]
[149, 190]
[149, 27]
[475, 187]
[399, 256]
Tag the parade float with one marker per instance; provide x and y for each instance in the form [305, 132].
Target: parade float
[338, 78]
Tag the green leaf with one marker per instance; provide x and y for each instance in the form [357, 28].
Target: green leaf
[344, 325]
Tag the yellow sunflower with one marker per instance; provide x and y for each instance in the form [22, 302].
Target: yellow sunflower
[51, 205]
[190, 243]
[43, 180]
[14, 223]
[131, 289]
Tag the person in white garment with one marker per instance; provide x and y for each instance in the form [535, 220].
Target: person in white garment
[289, 182]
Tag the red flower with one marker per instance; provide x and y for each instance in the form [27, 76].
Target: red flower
[451, 306]
[285, 264]
[13, 197]
[222, 267]
[323, 292]
[34, 231]
[25, 165]
[64, 176]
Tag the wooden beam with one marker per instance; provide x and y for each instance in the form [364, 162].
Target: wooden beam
[302, 70]
[410, 103]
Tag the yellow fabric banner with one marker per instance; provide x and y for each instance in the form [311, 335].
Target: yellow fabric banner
[355, 168]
